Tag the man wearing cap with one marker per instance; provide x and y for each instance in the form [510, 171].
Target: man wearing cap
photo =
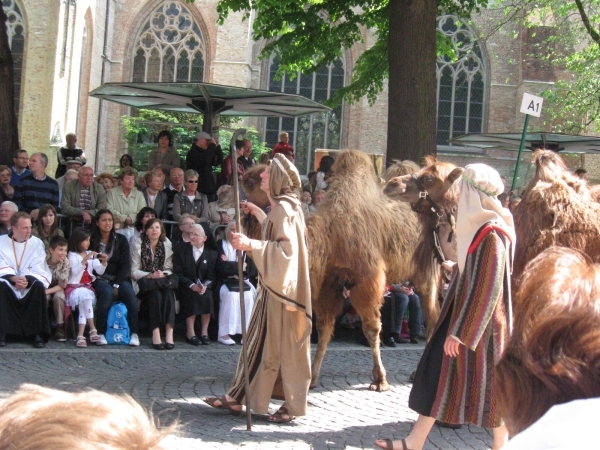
[203, 156]
[69, 153]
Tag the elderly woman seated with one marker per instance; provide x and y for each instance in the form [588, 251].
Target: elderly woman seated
[7, 210]
[223, 210]
[548, 379]
[230, 317]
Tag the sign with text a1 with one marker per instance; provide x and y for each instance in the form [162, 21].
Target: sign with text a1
[531, 105]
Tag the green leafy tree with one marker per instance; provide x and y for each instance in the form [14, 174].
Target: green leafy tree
[574, 48]
[304, 35]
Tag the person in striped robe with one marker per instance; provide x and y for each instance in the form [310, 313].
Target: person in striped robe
[454, 382]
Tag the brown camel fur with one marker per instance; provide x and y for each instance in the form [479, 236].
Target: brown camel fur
[557, 209]
[359, 237]
[439, 179]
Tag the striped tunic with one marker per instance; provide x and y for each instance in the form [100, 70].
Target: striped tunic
[477, 310]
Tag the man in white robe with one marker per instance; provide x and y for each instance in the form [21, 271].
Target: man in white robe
[24, 277]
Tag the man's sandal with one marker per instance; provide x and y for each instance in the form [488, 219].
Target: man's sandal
[224, 404]
[389, 444]
[281, 416]
[94, 336]
[81, 342]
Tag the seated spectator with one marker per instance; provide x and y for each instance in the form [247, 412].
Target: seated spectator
[284, 147]
[165, 157]
[83, 198]
[37, 188]
[19, 168]
[72, 167]
[227, 167]
[23, 283]
[5, 174]
[151, 271]
[190, 200]
[318, 196]
[324, 172]
[306, 201]
[264, 158]
[176, 185]
[36, 417]
[222, 211]
[7, 210]
[125, 201]
[141, 181]
[79, 290]
[548, 377]
[113, 285]
[401, 296]
[312, 181]
[153, 193]
[143, 216]
[125, 161]
[60, 269]
[195, 266]
[106, 180]
[47, 225]
[230, 318]
[186, 221]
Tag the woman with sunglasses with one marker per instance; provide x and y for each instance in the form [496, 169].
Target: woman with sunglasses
[189, 200]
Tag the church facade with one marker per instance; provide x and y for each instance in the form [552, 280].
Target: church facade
[63, 50]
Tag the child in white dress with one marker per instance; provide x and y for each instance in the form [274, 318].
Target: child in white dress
[79, 287]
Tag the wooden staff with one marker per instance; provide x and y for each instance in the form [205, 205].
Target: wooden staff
[238, 224]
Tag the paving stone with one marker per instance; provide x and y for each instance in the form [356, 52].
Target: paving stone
[342, 413]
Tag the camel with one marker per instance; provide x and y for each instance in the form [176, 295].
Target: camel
[359, 238]
[557, 209]
[433, 194]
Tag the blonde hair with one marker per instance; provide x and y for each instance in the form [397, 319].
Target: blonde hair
[36, 417]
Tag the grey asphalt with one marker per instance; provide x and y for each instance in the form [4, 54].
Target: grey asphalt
[342, 414]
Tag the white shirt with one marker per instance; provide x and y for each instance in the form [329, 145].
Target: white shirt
[197, 252]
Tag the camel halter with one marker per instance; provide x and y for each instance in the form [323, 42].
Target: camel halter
[434, 208]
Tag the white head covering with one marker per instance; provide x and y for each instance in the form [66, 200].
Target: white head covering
[477, 205]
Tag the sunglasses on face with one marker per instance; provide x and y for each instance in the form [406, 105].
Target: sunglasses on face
[193, 181]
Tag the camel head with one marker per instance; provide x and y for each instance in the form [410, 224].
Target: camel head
[550, 168]
[400, 168]
[251, 186]
[437, 178]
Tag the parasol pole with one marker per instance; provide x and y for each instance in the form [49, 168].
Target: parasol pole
[238, 224]
[521, 147]
[531, 105]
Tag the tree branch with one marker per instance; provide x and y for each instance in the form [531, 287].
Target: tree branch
[586, 22]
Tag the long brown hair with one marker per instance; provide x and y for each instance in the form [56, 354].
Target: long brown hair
[44, 209]
[553, 356]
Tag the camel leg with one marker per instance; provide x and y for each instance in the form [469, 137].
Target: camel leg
[327, 309]
[367, 298]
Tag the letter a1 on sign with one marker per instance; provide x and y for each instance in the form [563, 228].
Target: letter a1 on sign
[531, 105]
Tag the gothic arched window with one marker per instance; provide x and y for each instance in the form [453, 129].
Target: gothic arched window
[460, 84]
[16, 41]
[308, 133]
[169, 47]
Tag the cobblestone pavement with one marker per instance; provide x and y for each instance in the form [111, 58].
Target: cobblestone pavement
[342, 412]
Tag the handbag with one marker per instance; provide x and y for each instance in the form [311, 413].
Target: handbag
[233, 284]
[151, 284]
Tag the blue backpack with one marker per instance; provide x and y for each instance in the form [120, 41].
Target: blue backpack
[117, 328]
